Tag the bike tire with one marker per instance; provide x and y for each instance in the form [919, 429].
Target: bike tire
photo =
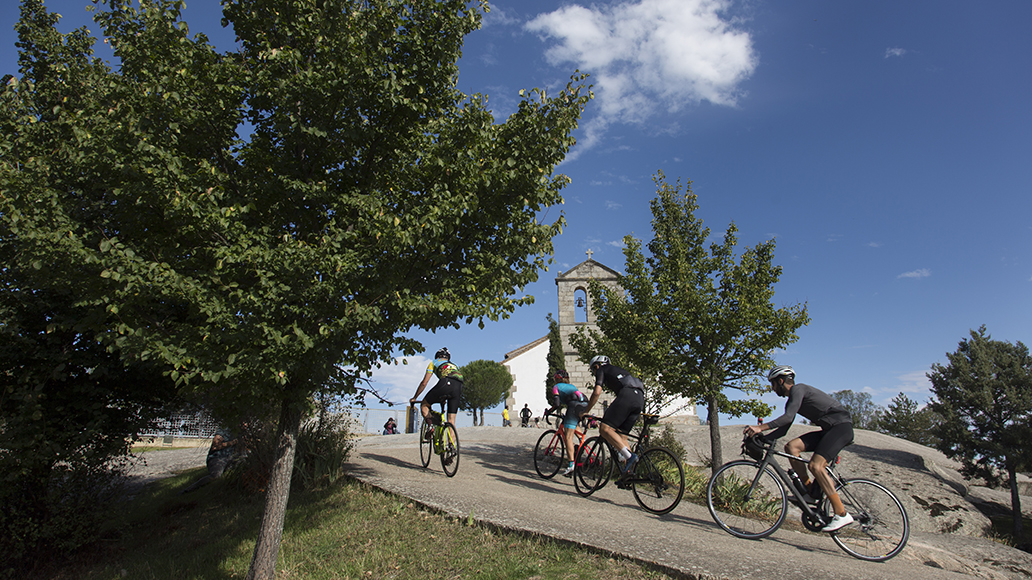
[549, 454]
[450, 450]
[756, 516]
[592, 466]
[881, 527]
[426, 444]
[658, 481]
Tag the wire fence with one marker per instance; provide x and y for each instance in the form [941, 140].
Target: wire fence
[197, 424]
[201, 425]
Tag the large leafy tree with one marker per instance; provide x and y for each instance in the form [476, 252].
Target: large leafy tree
[862, 408]
[984, 398]
[256, 219]
[696, 321]
[486, 384]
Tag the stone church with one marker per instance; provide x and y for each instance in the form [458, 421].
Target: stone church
[528, 364]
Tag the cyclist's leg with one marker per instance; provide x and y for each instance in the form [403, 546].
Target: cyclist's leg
[831, 442]
[447, 391]
[620, 418]
[570, 420]
[805, 442]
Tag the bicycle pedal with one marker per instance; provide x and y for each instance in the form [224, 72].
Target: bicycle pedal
[623, 484]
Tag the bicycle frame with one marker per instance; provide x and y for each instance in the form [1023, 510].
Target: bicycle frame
[769, 458]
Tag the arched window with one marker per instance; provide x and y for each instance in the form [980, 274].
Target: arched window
[580, 305]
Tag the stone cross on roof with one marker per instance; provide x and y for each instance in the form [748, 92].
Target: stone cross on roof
[589, 252]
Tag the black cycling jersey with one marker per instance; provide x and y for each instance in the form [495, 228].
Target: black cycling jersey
[815, 405]
[616, 378]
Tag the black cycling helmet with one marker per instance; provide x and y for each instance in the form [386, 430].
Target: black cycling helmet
[561, 376]
[443, 353]
[598, 361]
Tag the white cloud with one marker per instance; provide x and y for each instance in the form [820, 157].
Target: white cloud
[650, 55]
[397, 382]
[613, 205]
[891, 52]
[915, 382]
[874, 244]
[920, 273]
[617, 244]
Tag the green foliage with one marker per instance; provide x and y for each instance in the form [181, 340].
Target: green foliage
[984, 397]
[698, 321]
[68, 412]
[861, 407]
[323, 446]
[555, 358]
[903, 419]
[370, 196]
[668, 438]
[486, 384]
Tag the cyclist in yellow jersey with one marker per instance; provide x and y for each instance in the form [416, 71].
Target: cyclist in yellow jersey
[449, 385]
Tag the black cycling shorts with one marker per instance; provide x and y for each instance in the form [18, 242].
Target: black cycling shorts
[828, 442]
[446, 388]
[624, 411]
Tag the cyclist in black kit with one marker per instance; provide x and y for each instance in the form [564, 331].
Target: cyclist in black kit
[836, 432]
[623, 412]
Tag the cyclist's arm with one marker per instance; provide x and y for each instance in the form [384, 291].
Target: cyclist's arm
[595, 394]
[422, 385]
[795, 400]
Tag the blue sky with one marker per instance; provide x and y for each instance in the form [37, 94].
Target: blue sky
[886, 146]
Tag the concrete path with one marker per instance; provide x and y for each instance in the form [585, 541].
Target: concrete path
[496, 484]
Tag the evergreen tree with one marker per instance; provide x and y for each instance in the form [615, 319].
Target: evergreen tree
[903, 419]
[984, 396]
[555, 358]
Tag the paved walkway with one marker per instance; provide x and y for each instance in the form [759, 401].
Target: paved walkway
[496, 484]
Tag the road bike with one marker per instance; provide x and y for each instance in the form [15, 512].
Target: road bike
[439, 437]
[657, 478]
[550, 451]
[747, 499]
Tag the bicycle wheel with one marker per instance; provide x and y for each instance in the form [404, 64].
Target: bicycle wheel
[745, 501]
[549, 454]
[426, 444]
[450, 450]
[658, 481]
[881, 528]
[592, 466]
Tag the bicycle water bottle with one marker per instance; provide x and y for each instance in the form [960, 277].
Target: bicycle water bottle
[798, 483]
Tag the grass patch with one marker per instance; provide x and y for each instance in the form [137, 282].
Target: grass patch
[1002, 531]
[350, 530]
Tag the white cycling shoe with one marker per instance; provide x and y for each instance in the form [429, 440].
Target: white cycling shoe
[837, 523]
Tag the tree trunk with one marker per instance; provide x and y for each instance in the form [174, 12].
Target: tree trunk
[1015, 502]
[716, 451]
[266, 549]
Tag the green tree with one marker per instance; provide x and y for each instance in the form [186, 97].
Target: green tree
[984, 396]
[369, 198]
[902, 418]
[696, 322]
[69, 410]
[486, 384]
[555, 358]
[864, 412]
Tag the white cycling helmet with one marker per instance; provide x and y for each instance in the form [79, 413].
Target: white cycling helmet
[781, 371]
[598, 360]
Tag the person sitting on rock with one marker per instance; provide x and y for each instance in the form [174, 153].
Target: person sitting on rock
[225, 451]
